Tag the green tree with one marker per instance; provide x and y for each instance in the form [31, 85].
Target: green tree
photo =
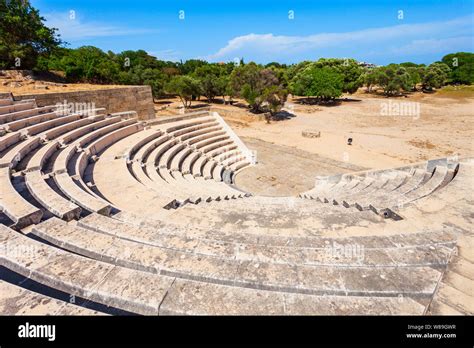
[323, 83]
[23, 36]
[249, 81]
[349, 69]
[85, 64]
[462, 67]
[436, 75]
[275, 97]
[393, 78]
[185, 87]
[212, 80]
[369, 79]
[189, 66]
[416, 74]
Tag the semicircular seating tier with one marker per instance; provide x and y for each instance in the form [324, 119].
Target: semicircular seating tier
[144, 217]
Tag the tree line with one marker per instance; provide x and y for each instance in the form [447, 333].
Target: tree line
[26, 43]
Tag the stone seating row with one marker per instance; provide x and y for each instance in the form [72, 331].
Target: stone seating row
[417, 280]
[17, 208]
[388, 190]
[16, 300]
[17, 106]
[20, 210]
[171, 153]
[378, 252]
[18, 115]
[147, 293]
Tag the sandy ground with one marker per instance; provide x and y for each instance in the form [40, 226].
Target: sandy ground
[18, 84]
[443, 128]
[439, 125]
[284, 170]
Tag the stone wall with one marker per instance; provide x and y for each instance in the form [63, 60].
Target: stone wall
[127, 98]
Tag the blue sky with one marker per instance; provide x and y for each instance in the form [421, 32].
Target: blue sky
[262, 31]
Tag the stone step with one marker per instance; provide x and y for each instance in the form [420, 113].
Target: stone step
[337, 252]
[15, 300]
[146, 293]
[441, 236]
[388, 281]
[196, 298]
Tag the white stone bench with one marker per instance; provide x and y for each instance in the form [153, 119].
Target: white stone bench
[370, 190]
[225, 155]
[417, 280]
[191, 130]
[157, 152]
[149, 136]
[88, 138]
[207, 128]
[216, 173]
[197, 141]
[235, 167]
[191, 189]
[168, 155]
[15, 300]
[9, 139]
[208, 169]
[106, 140]
[216, 145]
[405, 182]
[397, 181]
[70, 126]
[23, 123]
[49, 125]
[347, 183]
[197, 169]
[81, 137]
[192, 157]
[38, 160]
[18, 115]
[179, 158]
[80, 197]
[203, 143]
[13, 205]
[17, 107]
[92, 280]
[399, 200]
[16, 153]
[360, 184]
[144, 152]
[233, 158]
[182, 125]
[221, 150]
[50, 199]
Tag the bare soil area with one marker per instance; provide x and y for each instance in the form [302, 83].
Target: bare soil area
[19, 83]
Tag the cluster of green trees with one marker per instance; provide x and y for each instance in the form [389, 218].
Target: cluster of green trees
[395, 78]
[23, 36]
[26, 43]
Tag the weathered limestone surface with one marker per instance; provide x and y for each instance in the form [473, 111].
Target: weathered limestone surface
[138, 98]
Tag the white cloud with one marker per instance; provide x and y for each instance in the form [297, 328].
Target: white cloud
[435, 45]
[406, 36]
[72, 29]
[169, 55]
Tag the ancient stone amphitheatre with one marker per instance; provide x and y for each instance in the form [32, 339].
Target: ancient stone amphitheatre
[105, 214]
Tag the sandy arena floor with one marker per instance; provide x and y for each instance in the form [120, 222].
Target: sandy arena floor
[443, 128]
